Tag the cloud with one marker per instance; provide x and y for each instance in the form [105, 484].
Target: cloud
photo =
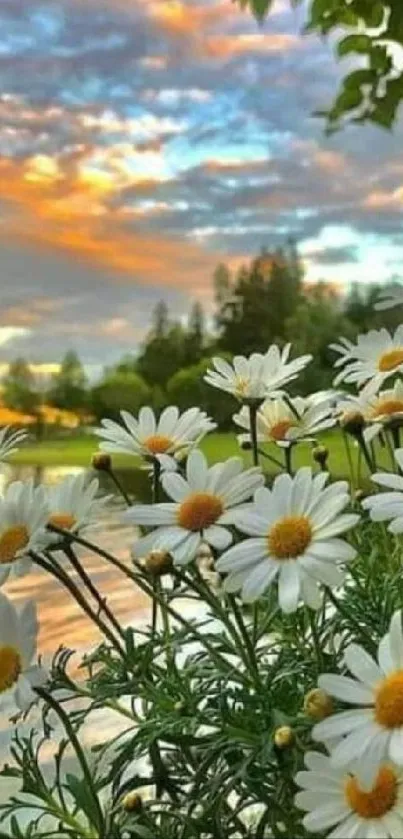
[143, 141]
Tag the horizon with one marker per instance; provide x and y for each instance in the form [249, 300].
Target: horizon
[142, 144]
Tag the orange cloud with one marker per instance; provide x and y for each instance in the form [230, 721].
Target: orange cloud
[381, 200]
[42, 217]
[226, 46]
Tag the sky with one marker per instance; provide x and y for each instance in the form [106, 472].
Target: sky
[142, 142]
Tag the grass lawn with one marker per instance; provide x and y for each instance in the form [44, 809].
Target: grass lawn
[78, 450]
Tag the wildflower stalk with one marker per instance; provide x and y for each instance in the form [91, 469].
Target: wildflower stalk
[102, 602]
[156, 494]
[88, 778]
[288, 459]
[253, 409]
[119, 486]
[349, 457]
[52, 567]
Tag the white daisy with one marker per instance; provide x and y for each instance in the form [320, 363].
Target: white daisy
[377, 409]
[388, 505]
[294, 528]
[10, 440]
[172, 434]
[334, 798]
[376, 356]
[203, 505]
[18, 634]
[257, 376]
[372, 732]
[284, 422]
[23, 516]
[73, 503]
[389, 298]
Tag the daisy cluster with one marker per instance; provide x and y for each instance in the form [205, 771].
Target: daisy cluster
[33, 520]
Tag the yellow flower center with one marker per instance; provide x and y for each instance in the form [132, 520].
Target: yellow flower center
[289, 537]
[379, 800]
[279, 430]
[10, 667]
[12, 540]
[387, 407]
[157, 443]
[241, 386]
[390, 360]
[200, 510]
[389, 701]
[63, 520]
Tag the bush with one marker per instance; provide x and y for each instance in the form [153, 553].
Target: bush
[119, 391]
[188, 388]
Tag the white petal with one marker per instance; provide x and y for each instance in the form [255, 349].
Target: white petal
[175, 486]
[242, 555]
[348, 690]
[342, 723]
[326, 815]
[197, 471]
[396, 746]
[362, 666]
[352, 747]
[186, 551]
[218, 537]
[289, 587]
[258, 581]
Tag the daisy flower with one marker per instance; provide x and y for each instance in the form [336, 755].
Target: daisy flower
[257, 376]
[202, 505]
[373, 731]
[376, 356]
[18, 634]
[10, 440]
[334, 798]
[172, 434]
[73, 504]
[294, 530]
[282, 422]
[23, 516]
[389, 298]
[386, 506]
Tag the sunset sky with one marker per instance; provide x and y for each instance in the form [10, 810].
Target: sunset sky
[144, 141]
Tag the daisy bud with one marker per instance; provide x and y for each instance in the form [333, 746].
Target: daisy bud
[318, 704]
[102, 462]
[359, 495]
[246, 445]
[353, 422]
[320, 455]
[132, 802]
[158, 563]
[283, 737]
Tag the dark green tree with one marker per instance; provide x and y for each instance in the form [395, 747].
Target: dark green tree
[68, 389]
[195, 335]
[19, 391]
[263, 296]
[318, 321]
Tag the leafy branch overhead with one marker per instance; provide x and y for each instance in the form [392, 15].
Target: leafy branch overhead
[370, 31]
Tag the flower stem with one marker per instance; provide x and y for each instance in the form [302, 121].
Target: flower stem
[120, 487]
[339, 605]
[51, 566]
[253, 409]
[69, 728]
[102, 602]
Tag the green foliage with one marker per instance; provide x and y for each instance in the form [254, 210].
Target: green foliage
[68, 389]
[119, 391]
[187, 388]
[253, 312]
[372, 92]
[19, 391]
[169, 346]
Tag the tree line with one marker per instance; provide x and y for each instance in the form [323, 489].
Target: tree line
[264, 302]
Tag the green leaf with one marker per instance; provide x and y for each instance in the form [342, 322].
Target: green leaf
[261, 8]
[354, 43]
[82, 796]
